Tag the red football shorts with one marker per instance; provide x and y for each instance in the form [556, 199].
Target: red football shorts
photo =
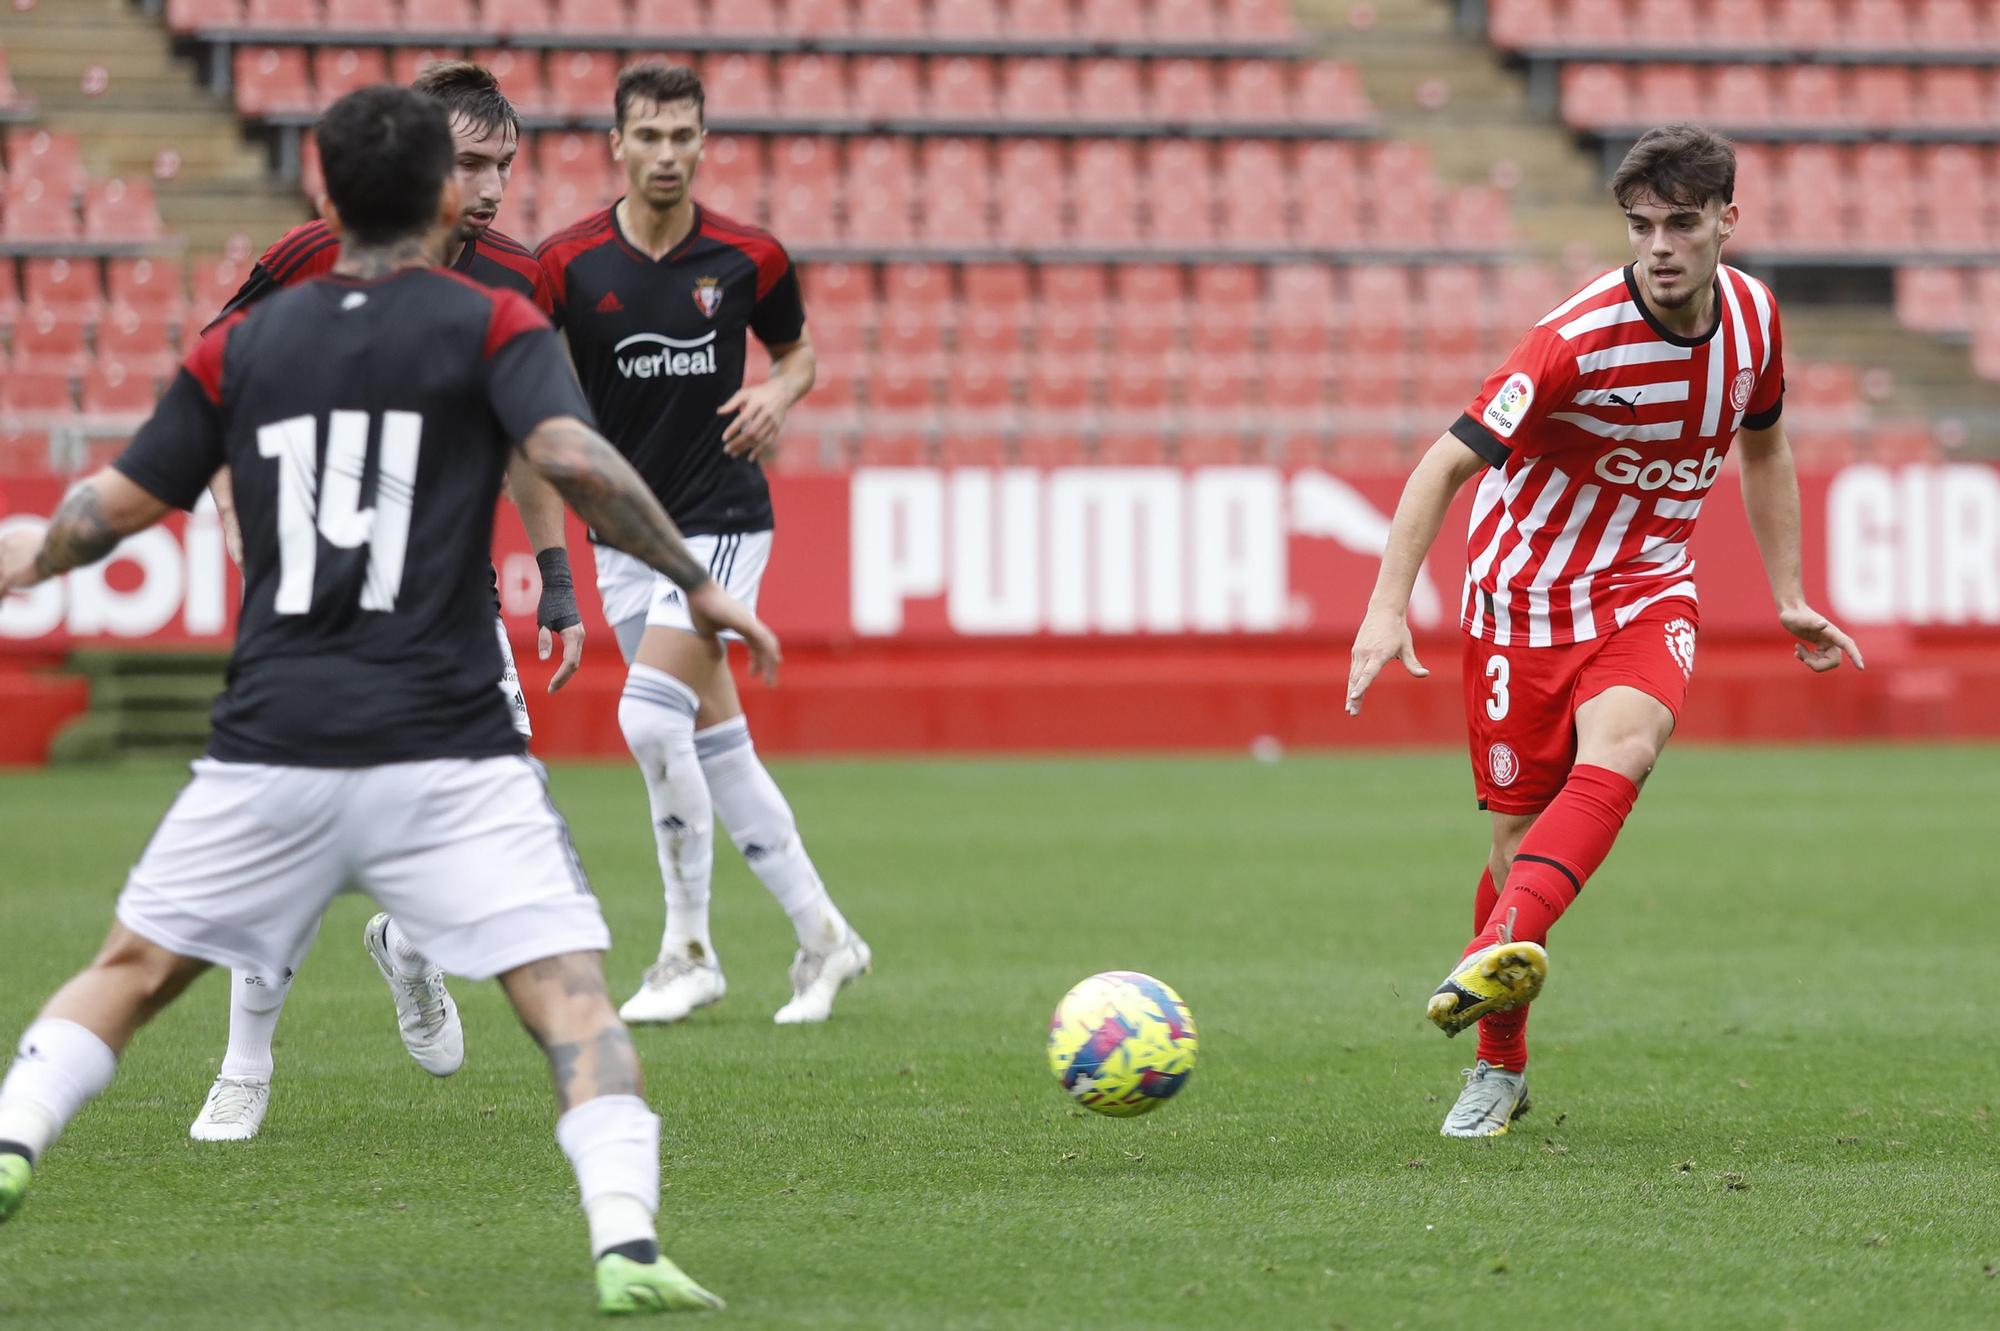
[1520, 702]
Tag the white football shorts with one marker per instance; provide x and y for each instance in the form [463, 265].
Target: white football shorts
[469, 855]
[630, 588]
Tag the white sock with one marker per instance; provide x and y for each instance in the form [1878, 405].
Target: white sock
[754, 813]
[405, 957]
[613, 1144]
[256, 1000]
[58, 1068]
[657, 714]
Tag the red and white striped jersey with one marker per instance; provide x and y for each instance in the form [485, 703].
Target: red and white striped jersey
[1604, 431]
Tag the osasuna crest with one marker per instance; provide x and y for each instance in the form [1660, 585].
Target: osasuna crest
[708, 295]
[1502, 764]
[1680, 645]
[1739, 391]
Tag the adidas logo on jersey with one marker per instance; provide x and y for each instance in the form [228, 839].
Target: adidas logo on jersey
[610, 304]
[675, 358]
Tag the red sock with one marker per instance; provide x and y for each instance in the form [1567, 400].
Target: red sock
[1564, 847]
[1503, 1036]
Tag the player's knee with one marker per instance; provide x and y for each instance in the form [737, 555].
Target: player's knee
[148, 974]
[1630, 755]
[657, 715]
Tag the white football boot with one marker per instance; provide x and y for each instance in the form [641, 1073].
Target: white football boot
[426, 1016]
[234, 1110]
[1492, 1099]
[818, 976]
[674, 987]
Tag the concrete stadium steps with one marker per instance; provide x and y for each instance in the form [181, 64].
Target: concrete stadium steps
[151, 102]
[144, 704]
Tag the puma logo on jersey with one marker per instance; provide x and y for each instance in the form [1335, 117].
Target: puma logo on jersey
[675, 358]
[1630, 404]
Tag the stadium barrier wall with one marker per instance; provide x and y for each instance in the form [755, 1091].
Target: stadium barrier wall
[1023, 609]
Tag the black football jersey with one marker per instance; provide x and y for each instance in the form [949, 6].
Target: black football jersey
[659, 346]
[367, 426]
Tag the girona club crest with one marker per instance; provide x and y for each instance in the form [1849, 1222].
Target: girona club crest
[1739, 391]
[1503, 764]
[1680, 645]
[708, 295]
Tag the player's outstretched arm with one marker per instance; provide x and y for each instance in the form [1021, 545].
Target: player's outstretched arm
[541, 510]
[100, 512]
[1385, 630]
[596, 481]
[1771, 498]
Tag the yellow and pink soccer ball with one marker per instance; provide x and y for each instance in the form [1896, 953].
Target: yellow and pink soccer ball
[1121, 1043]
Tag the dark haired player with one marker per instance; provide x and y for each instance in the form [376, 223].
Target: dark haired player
[656, 295]
[1596, 443]
[486, 133]
[361, 739]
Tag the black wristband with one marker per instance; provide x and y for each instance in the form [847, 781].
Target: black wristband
[557, 610]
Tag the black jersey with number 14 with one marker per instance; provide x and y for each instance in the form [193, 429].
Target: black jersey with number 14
[659, 345]
[367, 425]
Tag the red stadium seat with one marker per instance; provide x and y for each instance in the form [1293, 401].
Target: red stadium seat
[1034, 89]
[1518, 25]
[731, 176]
[965, 20]
[47, 340]
[361, 16]
[511, 16]
[1255, 92]
[1885, 221]
[121, 210]
[738, 84]
[1946, 25]
[1301, 313]
[1255, 205]
[1666, 24]
[282, 15]
[113, 388]
[1183, 91]
[1294, 385]
[926, 287]
[67, 287]
[1666, 93]
[10, 297]
[1211, 448]
[989, 335]
[36, 394]
[1001, 289]
[1951, 97]
[1040, 20]
[438, 16]
[1052, 447]
[1806, 25]
[339, 70]
[890, 18]
[980, 391]
[905, 449]
[973, 448]
[582, 83]
[1222, 330]
[195, 15]
[1596, 96]
[1810, 97]
[957, 192]
[1106, 192]
[812, 87]
[1141, 392]
[885, 88]
[1108, 88]
[880, 187]
[898, 389]
[1595, 24]
[1130, 448]
[598, 18]
[1191, 21]
[819, 18]
[49, 156]
[743, 18]
[1181, 218]
[1258, 20]
[961, 88]
[1155, 290]
[1932, 300]
[34, 212]
[142, 341]
[1329, 92]
[1111, 21]
[1882, 96]
[1081, 289]
[1219, 388]
[273, 80]
[406, 62]
[1747, 91]
[1876, 25]
[519, 70]
[1032, 186]
[1739, 25]
[913, 334]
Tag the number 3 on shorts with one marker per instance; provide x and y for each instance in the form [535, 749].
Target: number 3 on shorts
[1496, 670]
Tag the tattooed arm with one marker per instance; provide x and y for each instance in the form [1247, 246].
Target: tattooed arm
[601, 486]
[93, 518]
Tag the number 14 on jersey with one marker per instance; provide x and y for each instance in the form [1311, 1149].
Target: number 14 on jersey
[315, 502]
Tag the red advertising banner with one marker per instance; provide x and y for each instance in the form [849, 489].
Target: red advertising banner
[971, 555]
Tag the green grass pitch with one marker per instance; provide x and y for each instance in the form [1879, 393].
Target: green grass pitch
[1764, 1070]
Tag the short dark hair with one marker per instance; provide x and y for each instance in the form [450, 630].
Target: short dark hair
[386, 154]
[660, 83]
[468, 92]
[1683, 166]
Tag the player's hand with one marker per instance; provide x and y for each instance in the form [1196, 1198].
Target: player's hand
[1820, 642]
[1384, 637]
[222, 489]
[713, 610]
[572, 641]
[18, 549]
[760, 418]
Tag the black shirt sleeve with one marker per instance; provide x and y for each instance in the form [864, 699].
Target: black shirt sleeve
[179, 448]
[780, 315]
[529, 381]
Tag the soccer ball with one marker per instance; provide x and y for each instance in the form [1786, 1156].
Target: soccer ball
[1121, 1043]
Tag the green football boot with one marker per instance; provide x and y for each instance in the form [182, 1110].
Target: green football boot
[625, 1287]
[15, 1171]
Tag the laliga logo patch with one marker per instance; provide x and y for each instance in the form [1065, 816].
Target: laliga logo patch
[1680, 645]
[1739, 391]
[1502, 764]
[1510, 405]
[708, 295]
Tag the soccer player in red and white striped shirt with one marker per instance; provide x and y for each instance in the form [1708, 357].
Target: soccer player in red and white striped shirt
[1596, 443]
